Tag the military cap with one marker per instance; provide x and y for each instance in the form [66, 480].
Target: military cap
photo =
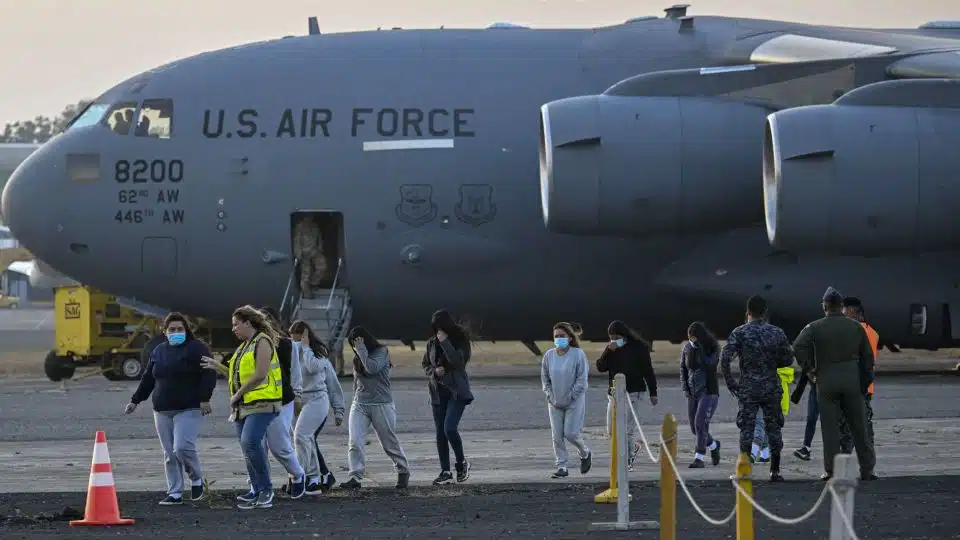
[832, 296]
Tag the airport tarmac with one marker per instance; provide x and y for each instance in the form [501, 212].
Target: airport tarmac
[26, 329]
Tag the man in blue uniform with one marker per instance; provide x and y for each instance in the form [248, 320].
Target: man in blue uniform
[761, 348]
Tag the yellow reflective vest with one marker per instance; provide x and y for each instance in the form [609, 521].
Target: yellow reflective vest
[786, 375]
[243, 365]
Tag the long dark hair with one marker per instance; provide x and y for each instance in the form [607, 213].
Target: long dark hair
[705, 339]
[369, 342]
[319, 347]
[271, 315]
[176, 316]
[620, 328]
[458, 333]
[572, 334]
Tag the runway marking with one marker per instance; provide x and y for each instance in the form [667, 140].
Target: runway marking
[42, 322]
[409, 144]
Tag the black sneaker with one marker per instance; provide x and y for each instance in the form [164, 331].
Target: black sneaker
[763, 458]
[775, 476]
[697, 464]
[170, 500]
[802, 453]
[715, 453]
[586, 463]
[560, 473]
[313, 488]
[247, 497]
[868, 476]
[327, 482]
[352, 483]
[463, 471]
[198, 492]
[263, 500]
[403, 480]
[445, 478]
[297, 489]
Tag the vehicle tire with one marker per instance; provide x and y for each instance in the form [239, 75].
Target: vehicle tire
[58, 368]
[14, 305]
[110, 368]
[130, 368]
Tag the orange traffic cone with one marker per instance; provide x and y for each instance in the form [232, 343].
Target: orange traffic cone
[102, 508]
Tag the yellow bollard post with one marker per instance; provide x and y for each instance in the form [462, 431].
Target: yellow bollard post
[744, 508]
[668, 479]
[609, 495]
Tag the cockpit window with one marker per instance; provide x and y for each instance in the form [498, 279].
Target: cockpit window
[119, 117]
[89, 116]
[156, 119]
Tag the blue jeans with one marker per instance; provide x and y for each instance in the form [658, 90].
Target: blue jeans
[252, 431]
[446, 418]
[759, 433]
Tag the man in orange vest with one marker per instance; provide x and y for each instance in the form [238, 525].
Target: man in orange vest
[853, 308]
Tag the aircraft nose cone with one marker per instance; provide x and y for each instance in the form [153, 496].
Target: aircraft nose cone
[27, 199]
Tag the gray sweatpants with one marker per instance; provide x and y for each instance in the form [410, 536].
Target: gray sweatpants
[280, 442]
[383, 418]
[567, 425]
[178, 432]
[312, 417]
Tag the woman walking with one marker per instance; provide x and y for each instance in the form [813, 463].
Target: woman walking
[181, 391]
[321, 392]
[698, 379]
[445, 363]
[256, 393]
[563, 372]
[372, 405]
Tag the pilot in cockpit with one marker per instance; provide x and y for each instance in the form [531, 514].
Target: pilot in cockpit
[143, 128]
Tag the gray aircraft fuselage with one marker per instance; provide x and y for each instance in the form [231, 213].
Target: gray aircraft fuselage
[264, 130]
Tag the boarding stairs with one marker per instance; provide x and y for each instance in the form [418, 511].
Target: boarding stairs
[328, 313]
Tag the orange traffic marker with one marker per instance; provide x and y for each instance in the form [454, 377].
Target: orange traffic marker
[102, 508]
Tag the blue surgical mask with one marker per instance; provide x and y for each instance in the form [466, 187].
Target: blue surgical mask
[177, 338]
[561, 342]
[620, 342]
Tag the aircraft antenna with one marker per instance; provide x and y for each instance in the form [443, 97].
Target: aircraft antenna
[677, 11]
[313, 26]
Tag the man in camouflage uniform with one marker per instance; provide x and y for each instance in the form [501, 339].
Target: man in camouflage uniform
[306, 246]
[761, 348]
[835, 352]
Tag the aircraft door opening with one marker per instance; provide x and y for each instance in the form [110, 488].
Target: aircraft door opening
[317, 241]
[159, 257]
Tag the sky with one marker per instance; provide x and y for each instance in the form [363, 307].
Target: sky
[56, 52]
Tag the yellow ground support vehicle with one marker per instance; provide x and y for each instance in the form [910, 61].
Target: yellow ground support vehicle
[96, 328]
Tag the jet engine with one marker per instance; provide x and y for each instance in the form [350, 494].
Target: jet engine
[615, 165]
[873, 172]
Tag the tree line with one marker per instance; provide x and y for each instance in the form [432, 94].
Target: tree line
[41, 128]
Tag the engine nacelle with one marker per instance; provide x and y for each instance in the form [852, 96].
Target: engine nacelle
[864, 175]
[614, 165]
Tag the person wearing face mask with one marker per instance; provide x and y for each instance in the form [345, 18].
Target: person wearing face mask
[563, 373]
[181, 391]
[698, 379]
[445, 364]
[629, 353]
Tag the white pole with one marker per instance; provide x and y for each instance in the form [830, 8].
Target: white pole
[845, 473]
[623, 449]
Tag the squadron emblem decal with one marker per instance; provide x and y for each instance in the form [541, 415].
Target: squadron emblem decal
[416, 206]
[476, 205]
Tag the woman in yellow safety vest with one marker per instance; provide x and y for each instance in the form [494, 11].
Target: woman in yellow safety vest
[256, 393]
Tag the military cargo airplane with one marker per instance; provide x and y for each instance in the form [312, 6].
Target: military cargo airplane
[685, 163]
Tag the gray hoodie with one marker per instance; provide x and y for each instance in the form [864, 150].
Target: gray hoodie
[319, 379]
[564, 377]
[374, 387]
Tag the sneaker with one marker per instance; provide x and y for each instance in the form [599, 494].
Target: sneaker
[775, 476]
[313, 488]
[403, 480]
[248, 497]
[352, 483]
[697, 464]
[868, 476]
[463, 472]
[198, 492]
[327, 482]
[443, 479]
[715, 454]
[561, 473]
[802, 453]
[297, 489]
[630, 464]
[586, 463]
[170, 500]
[263, 500]
[826, 477]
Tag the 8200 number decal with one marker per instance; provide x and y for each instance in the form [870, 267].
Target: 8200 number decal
[141, 171]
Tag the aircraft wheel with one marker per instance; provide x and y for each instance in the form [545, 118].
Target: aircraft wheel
[58, 368]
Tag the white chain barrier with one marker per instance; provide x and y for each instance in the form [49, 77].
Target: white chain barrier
[827, 490]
